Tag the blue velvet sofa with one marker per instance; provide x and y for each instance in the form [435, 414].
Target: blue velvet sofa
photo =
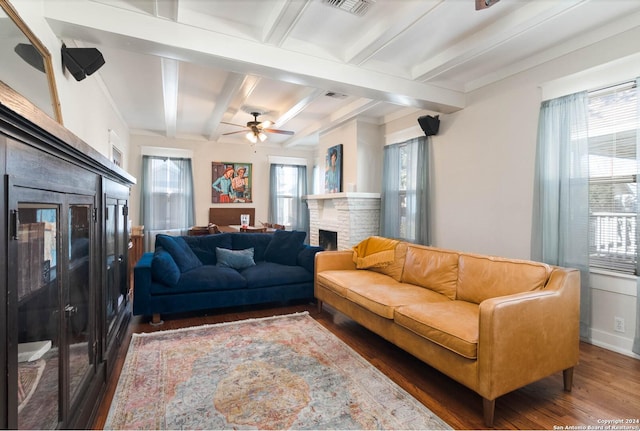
[191, 273]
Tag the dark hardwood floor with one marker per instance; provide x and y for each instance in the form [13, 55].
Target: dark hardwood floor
[606, 384]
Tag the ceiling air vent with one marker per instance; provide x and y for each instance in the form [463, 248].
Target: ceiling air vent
[356, 7]
[335, 95]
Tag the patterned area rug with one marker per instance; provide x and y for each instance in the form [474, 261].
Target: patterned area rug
[283, 372]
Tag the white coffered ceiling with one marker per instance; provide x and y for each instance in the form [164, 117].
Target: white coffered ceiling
[183, 67]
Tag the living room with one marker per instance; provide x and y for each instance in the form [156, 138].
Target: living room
[483, 157]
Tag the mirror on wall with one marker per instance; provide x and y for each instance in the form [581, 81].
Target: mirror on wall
[26, 63]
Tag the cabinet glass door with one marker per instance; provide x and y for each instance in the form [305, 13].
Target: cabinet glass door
[52, 343]
[78, 298]
[38, 291]
[115, 298]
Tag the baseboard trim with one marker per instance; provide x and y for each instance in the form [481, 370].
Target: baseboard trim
[613, 342]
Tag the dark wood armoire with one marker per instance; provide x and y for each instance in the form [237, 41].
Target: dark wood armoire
[64, 285]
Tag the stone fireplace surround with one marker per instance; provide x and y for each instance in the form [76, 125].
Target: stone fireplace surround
[353, 215]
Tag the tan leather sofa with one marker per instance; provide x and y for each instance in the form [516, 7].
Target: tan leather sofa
[490, 323]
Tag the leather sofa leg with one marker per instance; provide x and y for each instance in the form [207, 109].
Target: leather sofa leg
[567, 376]
[489, 408]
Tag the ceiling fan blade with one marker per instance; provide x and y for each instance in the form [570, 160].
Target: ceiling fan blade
[282, 132]
[233, 124]
[233, 133]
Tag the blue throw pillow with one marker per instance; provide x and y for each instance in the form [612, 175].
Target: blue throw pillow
[284, 247]
[204, 246]
[236, 259]
[164, 268]
[307, 257]
[178, 248]
[257, 241]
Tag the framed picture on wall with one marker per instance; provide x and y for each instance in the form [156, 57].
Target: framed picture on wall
[116, 156]
[231, 182]
[333, 170]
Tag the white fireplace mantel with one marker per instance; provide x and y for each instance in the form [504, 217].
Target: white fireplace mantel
[344, 195]
[353, 215]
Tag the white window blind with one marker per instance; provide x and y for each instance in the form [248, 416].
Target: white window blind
[613, 166]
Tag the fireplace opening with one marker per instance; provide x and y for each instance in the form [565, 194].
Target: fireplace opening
[328, 239]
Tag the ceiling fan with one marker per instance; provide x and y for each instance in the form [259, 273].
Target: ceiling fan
[483, 4]
[256, 129]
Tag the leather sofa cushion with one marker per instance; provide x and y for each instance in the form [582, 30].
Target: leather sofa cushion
[453, 325]
[382, 299]
[394, 270]
[431, 268]
[484, 277]
[338, 280]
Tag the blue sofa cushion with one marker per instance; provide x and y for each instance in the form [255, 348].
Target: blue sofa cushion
[204, 246]
[259, 242]
[236, 259]
[163, 268]
[266, 274]
[205, 278]
[284, 247]
[180, 251]
[307, 257]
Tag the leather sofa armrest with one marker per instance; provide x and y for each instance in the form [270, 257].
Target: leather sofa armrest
[528, 336]
[327, 260]
[142, 285]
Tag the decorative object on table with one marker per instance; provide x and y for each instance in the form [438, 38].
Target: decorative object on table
[253, 229]
[282, 372]
[231, 182]
[333, 170]
[245, 220]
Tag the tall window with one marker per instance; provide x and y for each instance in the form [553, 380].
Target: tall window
[288, 183]
[167, 196]
[613, 166]
[405, 191]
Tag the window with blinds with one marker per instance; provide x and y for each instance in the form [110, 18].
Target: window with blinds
[613, 165]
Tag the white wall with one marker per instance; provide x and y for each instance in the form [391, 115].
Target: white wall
[369, 153]
[484, 159]
[87, 110]
[362, 143]
[205, 152]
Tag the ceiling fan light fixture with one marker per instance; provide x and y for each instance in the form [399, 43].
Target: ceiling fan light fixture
[484, 4]
[256, 130]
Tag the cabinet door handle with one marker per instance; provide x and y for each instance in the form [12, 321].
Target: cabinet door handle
[70, 309]
[14, 221]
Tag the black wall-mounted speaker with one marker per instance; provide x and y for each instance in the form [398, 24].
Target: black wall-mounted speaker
[429, 124]
[81, 62]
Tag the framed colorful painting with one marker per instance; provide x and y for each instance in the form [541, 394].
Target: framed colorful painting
[333, 170]
[231, 182]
